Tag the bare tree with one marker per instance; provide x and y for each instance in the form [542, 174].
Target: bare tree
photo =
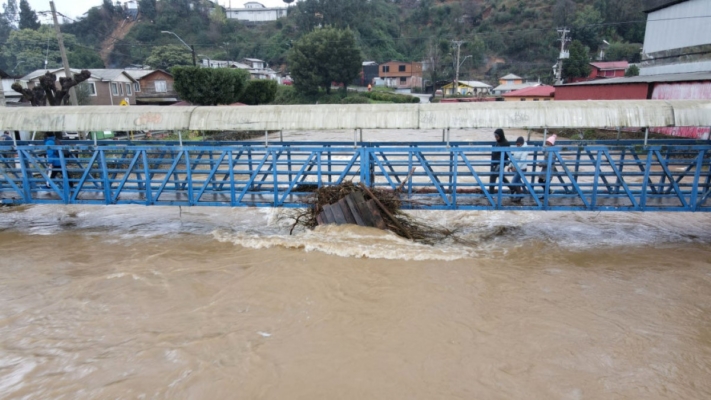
[46, 93]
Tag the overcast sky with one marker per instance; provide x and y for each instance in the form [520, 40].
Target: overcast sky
[75, 8]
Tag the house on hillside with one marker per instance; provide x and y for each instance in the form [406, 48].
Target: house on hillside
[534, 93]
[467, 88]
[401, 75]
[153, 87]
[106, 87]
[256, 12]
[512, 82]
[605, 70]
[510, 79]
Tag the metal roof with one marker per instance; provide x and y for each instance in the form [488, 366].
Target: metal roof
[689, 77]
[610, 65]
[516, 86]
[533, 91]
[557, 114]
[511, 76]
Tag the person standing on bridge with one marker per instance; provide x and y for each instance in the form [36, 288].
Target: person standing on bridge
[496, 162]
[6, 136]
[520, 157]
[53, 163]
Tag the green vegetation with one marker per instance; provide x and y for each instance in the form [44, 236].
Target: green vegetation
[260, 91]
[501, 36]
[289, 95]
[632, 71]
[208, 86]
[324, 56]
[577, 66]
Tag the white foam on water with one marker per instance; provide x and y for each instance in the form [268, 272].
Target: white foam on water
[477, 233]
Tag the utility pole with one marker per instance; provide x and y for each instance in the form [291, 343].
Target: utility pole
[457, 43]
[564, 39]
[67, 71]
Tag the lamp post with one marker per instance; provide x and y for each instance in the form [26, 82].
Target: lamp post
[191, 48]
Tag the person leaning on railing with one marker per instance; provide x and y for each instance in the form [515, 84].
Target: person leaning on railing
[544, 165]
[520, 157]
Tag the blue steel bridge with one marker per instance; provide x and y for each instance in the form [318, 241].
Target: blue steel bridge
[660, 175]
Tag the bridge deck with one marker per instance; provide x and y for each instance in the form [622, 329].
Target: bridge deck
[605, 176]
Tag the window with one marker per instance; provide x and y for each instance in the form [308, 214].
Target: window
[136, 87]
[403, 80]
[401, 68]
[92, 88]
[535, 99]
[114, 89]
[386, 68]
[128, 89]
[523, 99]
[161, 86]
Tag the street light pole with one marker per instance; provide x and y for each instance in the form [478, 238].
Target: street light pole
[191, 48]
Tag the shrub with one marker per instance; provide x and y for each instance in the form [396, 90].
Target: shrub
[259, 91]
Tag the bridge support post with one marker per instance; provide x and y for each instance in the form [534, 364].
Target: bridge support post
[545, 135]
[619, 132]
[281, 135]
[646, 135]
[266, 138]
[447, 137]
[94, 135]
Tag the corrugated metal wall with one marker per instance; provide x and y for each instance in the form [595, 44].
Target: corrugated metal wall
[683, 91]
[678, 26]
[636, 91]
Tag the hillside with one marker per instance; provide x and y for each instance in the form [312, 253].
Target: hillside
[501, 36]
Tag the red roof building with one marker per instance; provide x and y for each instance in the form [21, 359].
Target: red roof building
[535, 93]
[612, 69]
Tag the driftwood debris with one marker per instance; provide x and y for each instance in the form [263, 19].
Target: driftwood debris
[348, 203]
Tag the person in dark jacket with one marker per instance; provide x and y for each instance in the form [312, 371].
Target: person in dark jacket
[496, 163]
[54, 166]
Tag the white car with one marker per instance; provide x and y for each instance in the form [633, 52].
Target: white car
[70, 135]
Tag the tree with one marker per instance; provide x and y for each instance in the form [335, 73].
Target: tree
[10, 12]
[563, 12]
[259, 91]
[46, 93]
[578, 65]
[165, 57]
[324, 56]
[209, 86]
[633, 70]
[586, 26]
[624, 51]
[28, 48]
[288, 1]
[148, 8]
[28, 17]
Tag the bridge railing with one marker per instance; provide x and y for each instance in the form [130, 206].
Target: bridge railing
[625, 176]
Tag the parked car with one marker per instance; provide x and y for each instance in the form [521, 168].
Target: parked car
[70, 135]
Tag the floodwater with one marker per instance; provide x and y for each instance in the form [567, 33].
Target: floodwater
[133, 302]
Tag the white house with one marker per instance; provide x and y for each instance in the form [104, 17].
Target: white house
[256, 12]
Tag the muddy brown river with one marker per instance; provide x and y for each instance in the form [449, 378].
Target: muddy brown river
[131, 302]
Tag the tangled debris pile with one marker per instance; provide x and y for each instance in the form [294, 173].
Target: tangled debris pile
[356, 204]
